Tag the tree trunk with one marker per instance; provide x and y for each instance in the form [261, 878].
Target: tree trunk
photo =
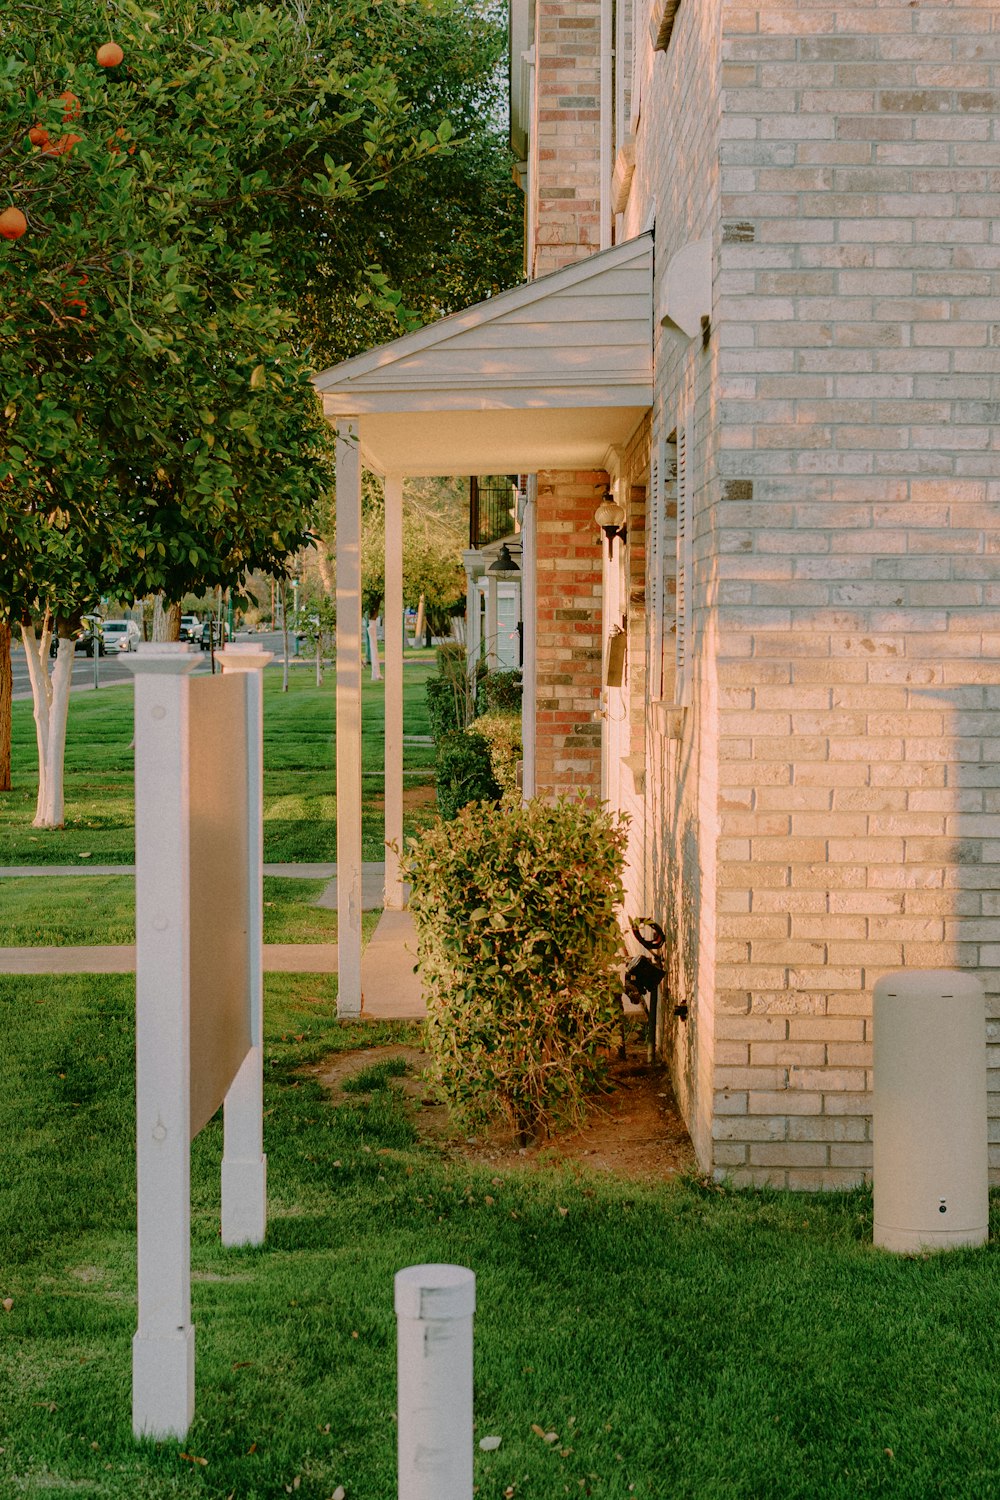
[373, 648]
[418, 629]
[50, 699]
[325, 567]
[166, 620]
[6, 697]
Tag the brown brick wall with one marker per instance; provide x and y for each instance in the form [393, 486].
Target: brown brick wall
[569, 653]
[568, 85]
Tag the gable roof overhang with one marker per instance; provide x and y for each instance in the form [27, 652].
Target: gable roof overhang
[548, 375]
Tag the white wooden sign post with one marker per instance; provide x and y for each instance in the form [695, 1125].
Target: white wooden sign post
[198, 989]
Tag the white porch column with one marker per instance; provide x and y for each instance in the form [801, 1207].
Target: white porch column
[492, 661]
[244, 1165]
[393, 606]
[529, 605]
[474, 564]
[348, 719]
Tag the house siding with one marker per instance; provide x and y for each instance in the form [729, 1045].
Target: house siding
[677, 176]
[822, 806]
[858, 623]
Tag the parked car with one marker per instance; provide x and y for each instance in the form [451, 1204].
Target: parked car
[120, 635]
[190, 627]
[214, 633]
[82, 641]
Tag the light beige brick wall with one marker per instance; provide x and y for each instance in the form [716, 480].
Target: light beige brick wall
[857, 582]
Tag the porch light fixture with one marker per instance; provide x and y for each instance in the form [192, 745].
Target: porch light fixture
[505, 566]
[610, 517]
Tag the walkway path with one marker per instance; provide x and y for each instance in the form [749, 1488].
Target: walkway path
[391, 989]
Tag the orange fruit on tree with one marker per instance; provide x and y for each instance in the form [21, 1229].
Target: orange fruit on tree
[110, 55]
[71, 105]
[12, 224]
[61, 146]
[38, 135]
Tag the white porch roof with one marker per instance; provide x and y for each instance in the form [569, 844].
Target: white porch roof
[548, 375]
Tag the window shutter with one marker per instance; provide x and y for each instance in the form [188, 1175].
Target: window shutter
[654, 569]
[685, 555]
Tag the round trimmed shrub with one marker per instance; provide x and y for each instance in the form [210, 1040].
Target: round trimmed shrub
[519, 955]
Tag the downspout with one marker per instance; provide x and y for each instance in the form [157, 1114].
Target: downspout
[607, 119]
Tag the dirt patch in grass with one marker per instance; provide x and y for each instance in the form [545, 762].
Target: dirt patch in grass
[634, 1132]
[422, 794]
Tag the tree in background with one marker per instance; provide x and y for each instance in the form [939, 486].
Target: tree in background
[435, 514]
[158, 431]
[448, 231]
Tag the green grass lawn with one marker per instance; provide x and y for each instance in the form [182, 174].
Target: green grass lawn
[299, 795]
[684, 1342]
[42, 911]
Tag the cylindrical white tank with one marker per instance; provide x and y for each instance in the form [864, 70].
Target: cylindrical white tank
[929, 1111]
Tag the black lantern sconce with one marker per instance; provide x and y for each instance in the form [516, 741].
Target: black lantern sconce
[505, 566]
[610, 517]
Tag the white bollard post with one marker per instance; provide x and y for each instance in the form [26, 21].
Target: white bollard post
[434, 1308]
[244, 1165]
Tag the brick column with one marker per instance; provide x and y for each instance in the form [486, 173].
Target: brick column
[570, 649]
[568, 125]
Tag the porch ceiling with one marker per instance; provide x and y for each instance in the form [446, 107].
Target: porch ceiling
[547, 375]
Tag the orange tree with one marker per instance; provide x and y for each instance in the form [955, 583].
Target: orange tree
[157, 427]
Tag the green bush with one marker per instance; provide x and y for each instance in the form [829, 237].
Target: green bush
[502, 732]
[501, 693]
[452, 659]
[445, 706]
[519, 949]
[464, 773]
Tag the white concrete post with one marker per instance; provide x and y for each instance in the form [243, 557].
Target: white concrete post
[163, 1346]
[348, 461]
[393, 606]
[244, 1165]
[434, 1308]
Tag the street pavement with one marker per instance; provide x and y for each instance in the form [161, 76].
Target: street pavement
[112, 671]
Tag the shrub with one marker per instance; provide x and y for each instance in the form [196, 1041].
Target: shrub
[452, 659]
[498, 693]
[464, 773]
[519, 949]
[448, 692]
[502, 733]
[445, 706]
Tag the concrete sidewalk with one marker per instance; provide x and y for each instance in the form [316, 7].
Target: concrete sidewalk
[390, 988]
[372, 878]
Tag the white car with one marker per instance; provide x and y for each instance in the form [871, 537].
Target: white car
[120, 635]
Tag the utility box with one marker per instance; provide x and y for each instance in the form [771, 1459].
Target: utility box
[929, 1111]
